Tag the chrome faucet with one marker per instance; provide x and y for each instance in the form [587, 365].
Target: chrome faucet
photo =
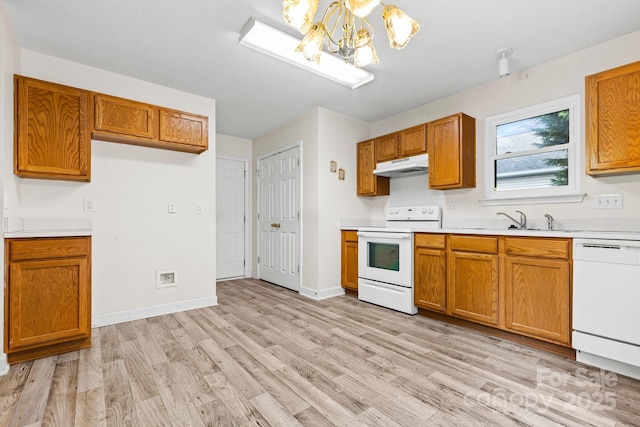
[522, 224]
[549, 222]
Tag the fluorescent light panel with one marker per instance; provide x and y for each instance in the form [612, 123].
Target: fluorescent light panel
[266, 39]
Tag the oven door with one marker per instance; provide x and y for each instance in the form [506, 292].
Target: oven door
[386, 257]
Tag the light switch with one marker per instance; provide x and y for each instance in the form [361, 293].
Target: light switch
[172, 207]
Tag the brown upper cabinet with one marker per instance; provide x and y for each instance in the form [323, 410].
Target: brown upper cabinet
[404, 143]
[52, 131]
[451, 144]
[54, 125]
[131, 122]
[386, 147]
[123, 117]
[189, 130]
[412, 141]
[613, 121]
[369, 184]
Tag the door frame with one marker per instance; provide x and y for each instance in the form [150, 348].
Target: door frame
[279, 150]
[247, 199]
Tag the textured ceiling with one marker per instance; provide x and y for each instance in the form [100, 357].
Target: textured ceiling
[192, 45]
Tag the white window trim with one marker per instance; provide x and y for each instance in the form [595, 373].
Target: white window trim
[565, 194]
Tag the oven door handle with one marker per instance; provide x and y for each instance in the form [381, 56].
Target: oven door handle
[394, 236]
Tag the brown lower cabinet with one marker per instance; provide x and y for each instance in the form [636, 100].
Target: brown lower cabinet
[47, 297]
[473, 278]
[538, 288]
[349, 260]
[516, 284]
[430, 272]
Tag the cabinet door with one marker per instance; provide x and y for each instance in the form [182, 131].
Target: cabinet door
[412, 141]
[613, 121]
[183, 128]
[369, 184]
[52, 130]
[49, 302]
[473, 286]
[451, 146]
[538, 298]
[386, 147]
[125, 117]
[349, 273]
[429, 283]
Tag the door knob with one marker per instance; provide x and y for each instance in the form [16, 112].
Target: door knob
[275, 225]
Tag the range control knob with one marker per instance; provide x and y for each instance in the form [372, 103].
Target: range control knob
[431, 211]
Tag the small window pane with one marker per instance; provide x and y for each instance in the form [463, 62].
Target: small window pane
[533, 133]
[549, 169]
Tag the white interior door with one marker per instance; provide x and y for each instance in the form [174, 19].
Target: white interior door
[279, 218]
[230, 218]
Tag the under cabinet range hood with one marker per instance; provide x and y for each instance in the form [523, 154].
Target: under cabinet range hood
[407, 166]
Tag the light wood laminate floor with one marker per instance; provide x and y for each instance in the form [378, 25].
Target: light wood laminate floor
[269, 357]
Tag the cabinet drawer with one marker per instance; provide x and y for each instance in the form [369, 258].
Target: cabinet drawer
[544, 248]
[23, 249]
[429, 240]
[487, 245]
[350, 235]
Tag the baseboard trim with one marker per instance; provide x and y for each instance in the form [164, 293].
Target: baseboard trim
[4, 365]
[157, 310]
[320, 295]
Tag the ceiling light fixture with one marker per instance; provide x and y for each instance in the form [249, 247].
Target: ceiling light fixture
[503, 63]
[266, 39]
[346, 29]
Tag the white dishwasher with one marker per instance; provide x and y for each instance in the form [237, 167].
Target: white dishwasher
[606, 304]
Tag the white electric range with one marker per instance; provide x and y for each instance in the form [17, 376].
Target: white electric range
[385, 257]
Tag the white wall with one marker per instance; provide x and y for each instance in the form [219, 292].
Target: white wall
[232, 146]
[325, 136]
[9, 65]
[305, 129]
[133, 233]
[556, 79]
[336, 201]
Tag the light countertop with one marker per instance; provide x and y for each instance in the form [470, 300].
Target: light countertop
[47, 227]
[490, 231]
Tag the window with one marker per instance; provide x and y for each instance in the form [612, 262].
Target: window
[533, 154]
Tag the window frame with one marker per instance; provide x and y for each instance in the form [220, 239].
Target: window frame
[562, 194]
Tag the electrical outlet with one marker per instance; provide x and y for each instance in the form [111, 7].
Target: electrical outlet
[166, 278]
[454, 207]
[171, 207]
[88, 205]
[607, 201]
[199, 208]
